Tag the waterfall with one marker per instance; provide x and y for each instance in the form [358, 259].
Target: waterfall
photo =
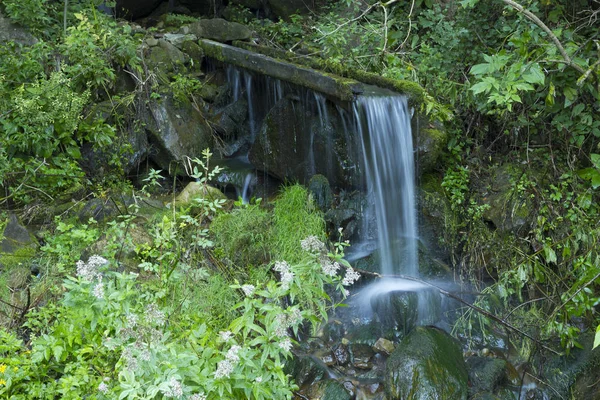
[384, 125]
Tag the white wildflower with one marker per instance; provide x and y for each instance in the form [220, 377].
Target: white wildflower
[248, 290]
[198, 397]
[225, 335]
[175, 389]
[286, 344]
[154, 315]
[350, 277]
[281, 325]
[258, 379]
[145, 355]
[98, 290]
[295, 317]
[132, 320]
[103, 388]
[232, 353]
[346, 293]
[312, 244]
[329, 268]
[287, 276]
[224, 369]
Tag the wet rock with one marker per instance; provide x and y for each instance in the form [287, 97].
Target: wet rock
[195, 53]
[305, 370]
[361, 355]
[485, 374]
[220, 30]
[178, 39]
[18, 246]
[321, 192]
[341, 354]
[383, 345]
[397, 310]
[427, 364]
[326, 357]
[11, 32]
[328, 389]
[176, 130]
[430, 145]
[295, 143]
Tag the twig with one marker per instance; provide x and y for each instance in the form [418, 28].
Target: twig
[472, 306]
[409, 25]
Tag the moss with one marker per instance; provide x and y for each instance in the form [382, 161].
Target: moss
[413, 90]
[21, 256]
[215, 52]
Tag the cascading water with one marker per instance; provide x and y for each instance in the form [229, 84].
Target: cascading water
[389, 172]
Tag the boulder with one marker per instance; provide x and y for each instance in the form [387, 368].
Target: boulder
[397, 311]
[220, 30]
[10, 32]
[178, 39]
[196, 190]
[305, 370]
[166, 57]
[485, 374]
[427, 364]
[177, 130]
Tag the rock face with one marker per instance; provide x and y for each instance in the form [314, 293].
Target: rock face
[295, 143]
[426, 365]
[176, 130]
[430, 145]
[220, 30]
[10, 32]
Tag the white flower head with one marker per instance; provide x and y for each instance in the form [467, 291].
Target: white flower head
[258, 379]
[350, 277]
[154, 315]
[225, 335]
[312, 244]
[174, 389]
[286, 344]
[98, 290]
[103, 388]
[248, 290]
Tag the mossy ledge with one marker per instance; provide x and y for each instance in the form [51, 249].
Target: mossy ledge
[342, 88]
[413, 90]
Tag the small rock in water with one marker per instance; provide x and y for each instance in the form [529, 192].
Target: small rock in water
[361, 356]
[341, 355]
[383, 345]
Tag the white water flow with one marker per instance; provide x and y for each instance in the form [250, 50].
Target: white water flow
[389, 170]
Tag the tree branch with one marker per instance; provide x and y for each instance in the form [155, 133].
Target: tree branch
[532, 17]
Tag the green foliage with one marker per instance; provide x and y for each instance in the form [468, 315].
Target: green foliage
[184, 87]
[295, 218]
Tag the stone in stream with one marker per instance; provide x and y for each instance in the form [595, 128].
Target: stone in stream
[427, 364]
[328, 389]
[397, 310]
[485, 374]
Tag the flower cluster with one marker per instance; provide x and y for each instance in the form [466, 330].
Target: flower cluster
[174, 389]
[350, 277]
[90, 272]
[248, 290]
[154, 316]
[313, 245]
[225, 335]
[329, 268]
[225, 367]
[287, 276]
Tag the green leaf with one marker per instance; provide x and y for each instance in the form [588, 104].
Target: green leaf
[534, 75]
[550, 254]
[597, 338]
[481, 87]
[480, 69]
[578, 109]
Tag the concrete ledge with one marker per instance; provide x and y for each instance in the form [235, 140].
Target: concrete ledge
[335, 86]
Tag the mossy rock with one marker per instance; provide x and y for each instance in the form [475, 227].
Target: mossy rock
[485, 374]
[220, 30]
[321, 192]
[18, 246]
[426, 365]
[197, 190]
[430, 146]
